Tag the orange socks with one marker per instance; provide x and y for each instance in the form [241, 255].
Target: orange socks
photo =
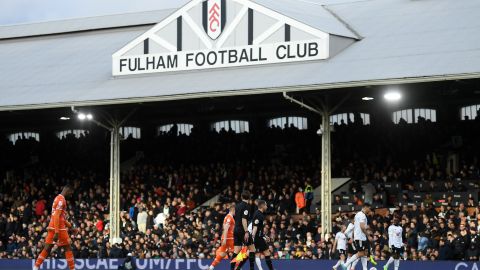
[218, 259]
[70, 260]
[43, 255]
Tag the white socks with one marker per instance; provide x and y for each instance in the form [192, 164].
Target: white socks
[351, 260]
[355, 263]
[340, 262]
[396, 264]
[390, 260]
[259, 263]
[364, 262]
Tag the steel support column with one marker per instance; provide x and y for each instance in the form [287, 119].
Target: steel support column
[326, 177]
[114, 184]
[324, 110]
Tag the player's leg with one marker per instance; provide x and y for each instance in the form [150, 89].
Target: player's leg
[352, 261]
[268, 259]
[219, 255]
[364, 260]
[391, 259]
[64, 240]
[396, 262]
[258, 262]
[340, 261]
[46, 249]
[251, 258]
[238, 243]
[362, 254]
[251, 254]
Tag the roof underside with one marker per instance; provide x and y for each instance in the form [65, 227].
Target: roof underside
[421, 40]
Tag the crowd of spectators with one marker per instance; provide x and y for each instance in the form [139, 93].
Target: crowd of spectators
[161, 195]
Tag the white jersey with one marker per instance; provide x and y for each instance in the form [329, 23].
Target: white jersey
[349, 230]
[341, 241]
[358, 234]
[395, 236]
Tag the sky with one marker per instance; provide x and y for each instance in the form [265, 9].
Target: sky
[28, 11]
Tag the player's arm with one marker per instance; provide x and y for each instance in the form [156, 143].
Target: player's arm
[245, 223]
[334, 245]
[226, 226]
[255, 228]
[349, 229]
[363, 226]
[56, 223]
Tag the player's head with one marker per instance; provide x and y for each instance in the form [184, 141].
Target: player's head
[231, 209]
[343, 228]
[246, 195]
[262, 205]
[67, 190]
[367, 208]
[395, 220]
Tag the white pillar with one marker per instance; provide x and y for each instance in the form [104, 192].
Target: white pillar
[326, 177]
[114, 184]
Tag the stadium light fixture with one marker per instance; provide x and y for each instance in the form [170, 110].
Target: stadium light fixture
[392, 96]
[64, 118]
[84, 116]
[367, 98]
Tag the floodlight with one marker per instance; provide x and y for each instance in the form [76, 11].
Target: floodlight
[392, 96]
[367, 98]
[89, 116]
[82, 116]
[64, 118]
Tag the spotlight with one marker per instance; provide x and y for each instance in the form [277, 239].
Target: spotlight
[367, 98]
[82, 116]
[392, 96]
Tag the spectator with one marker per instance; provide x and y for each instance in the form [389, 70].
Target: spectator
[142, 220]
[129, 263]
[308, 197]
[300, 201]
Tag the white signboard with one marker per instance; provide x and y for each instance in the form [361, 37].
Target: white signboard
[282, 52]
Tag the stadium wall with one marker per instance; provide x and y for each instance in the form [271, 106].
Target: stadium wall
[194, 264]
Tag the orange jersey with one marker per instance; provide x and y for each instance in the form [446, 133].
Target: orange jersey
[231, 225]
[59, 211]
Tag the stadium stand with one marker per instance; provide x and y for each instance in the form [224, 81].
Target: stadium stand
[161, 195]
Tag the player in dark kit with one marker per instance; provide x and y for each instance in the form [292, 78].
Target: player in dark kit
[241, 236]
[259, 239]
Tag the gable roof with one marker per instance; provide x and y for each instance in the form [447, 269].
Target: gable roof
[83, 24]
[402, 41]
[310, 13]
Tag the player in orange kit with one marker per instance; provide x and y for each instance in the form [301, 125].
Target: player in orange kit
[57, 230]
[227, 237]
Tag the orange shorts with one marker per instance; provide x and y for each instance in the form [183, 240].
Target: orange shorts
[227, 247]
[63, 238]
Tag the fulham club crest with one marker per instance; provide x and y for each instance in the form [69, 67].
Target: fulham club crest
[214, 17]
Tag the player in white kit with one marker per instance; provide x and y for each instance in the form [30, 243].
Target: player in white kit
[341, 246]
[395, 242]
[351, 247]
[360, 237]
